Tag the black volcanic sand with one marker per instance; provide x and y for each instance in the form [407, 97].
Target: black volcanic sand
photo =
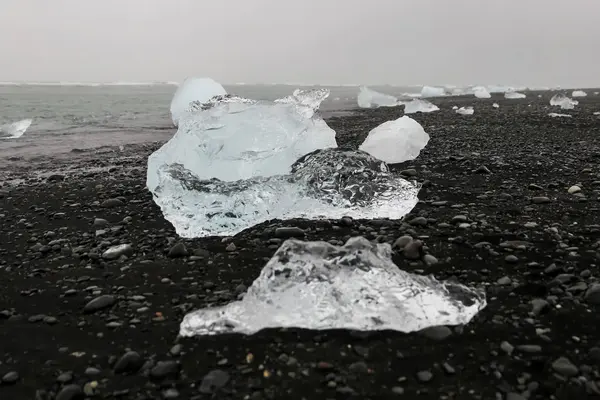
[495, 211]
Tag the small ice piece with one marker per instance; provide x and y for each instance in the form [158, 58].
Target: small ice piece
[465, 111]
[433, 91]
[496, 105]
[514, 95]
[481, 92]
[419, 105]
[396, 141]
[369, 98]
[578, 93]
[193, 89]
[316, 285]
[558, 115]
[15, 130]
[455, 107]
[596, 112]
[563, 102]
[231, 138]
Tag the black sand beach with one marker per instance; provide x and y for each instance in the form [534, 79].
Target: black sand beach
[495, 211]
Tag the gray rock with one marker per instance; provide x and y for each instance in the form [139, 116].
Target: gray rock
[164, 369]
[71, 392]
[115, 252]
[130, 362]
[99, 303]
[178, 250]
[429, 259]
[437, 332]
[111, 203]
[401, 242]
[424, 376]
[10, 377]
[413, 249]
[592, 295]
[213, 381]
[540, 200]
[289, 232]
[565, 367]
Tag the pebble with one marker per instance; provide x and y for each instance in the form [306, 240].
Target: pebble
[213, 381]
[286, 232]
[565, 367]
[115, 252]
[71, 392]
[178, 250]
[130, 362]
[99, 303]
[10, 377]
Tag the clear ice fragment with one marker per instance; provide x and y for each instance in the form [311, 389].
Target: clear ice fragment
[369, 98]
[329, 183]
[316, 285]
[231, 138]
[15, 130]
[396, 141]
[578, 93]
[465, 110]
[563, 102]
[514, 95]
[193, 89]
[481, 92]
[419, 105]
[558, 115]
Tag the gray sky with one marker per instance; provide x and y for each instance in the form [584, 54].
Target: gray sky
[518, 42]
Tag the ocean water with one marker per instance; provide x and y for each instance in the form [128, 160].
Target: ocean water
[67, 117]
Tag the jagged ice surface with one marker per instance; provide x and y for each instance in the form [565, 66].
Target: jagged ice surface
[329, 183]
[419, 105]
[369, 98]
[193, 89]
[232, 138]
[316, 285]
[14, 130]
[396, 141]
[563, 102]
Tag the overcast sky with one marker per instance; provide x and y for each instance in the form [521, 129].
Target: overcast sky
[516, 42]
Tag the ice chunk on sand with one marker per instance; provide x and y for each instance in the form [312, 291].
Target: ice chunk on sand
[514, 95]
[316, 285]
[481, 92]
[231, 138]
[193, 89]
[329, 183]
[465, 111]
[563, 102]
[369, 98]
[496, 105]
[596, 112]
[558, 115]
[578, 93]
[418, 105]
[396, 141]
[432, 91]
[15, 130]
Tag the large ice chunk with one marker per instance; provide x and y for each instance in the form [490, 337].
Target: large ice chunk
[465, 110]
[231, 138]
[514, 95]
[369, 98]
[432, 91]
[329, 183]
[193, 89]
[419, 105]
[578, 93]
[316, 285]
[396, 141]
[306, 101]
[481, 92]
[14, 130]
[563, 102]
